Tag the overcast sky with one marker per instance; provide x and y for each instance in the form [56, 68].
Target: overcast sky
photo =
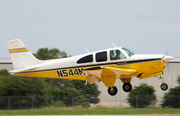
[145, 26]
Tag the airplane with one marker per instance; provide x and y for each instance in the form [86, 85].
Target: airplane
[105, 65]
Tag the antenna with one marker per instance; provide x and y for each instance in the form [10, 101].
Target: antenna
[113, 45]
[85, 83]
[86, 50]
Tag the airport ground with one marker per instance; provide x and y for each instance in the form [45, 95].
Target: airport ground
[99, 115]
[93, 111]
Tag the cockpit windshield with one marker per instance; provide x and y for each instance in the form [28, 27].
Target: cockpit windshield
[128, 51]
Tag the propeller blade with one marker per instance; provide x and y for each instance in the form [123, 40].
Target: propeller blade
[164, 57]
[167, 49]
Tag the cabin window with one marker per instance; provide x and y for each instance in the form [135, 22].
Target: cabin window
[116, 55]
[101, 56]
[86, 59]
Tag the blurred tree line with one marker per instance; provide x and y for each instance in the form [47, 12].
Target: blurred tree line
[171, 99]
[144, 96]
[62, 90]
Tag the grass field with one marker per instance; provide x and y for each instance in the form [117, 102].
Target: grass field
[107, 111]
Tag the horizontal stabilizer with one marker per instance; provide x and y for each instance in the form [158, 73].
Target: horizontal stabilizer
[23, 70]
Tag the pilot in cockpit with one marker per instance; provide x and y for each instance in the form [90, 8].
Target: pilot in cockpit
[117, 55]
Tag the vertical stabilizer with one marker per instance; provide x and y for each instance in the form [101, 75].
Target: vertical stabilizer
[21, 57]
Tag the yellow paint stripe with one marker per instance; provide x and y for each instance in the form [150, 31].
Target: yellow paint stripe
[51, 74]
[18, 50]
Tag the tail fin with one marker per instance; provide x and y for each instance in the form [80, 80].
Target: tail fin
[21, 57]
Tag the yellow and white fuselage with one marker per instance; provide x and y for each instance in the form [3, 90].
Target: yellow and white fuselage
[103, 65]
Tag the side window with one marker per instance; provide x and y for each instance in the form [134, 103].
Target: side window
[116, 55]
[101, 56]
[86, 59]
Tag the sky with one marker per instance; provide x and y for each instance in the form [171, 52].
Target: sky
[144, 26]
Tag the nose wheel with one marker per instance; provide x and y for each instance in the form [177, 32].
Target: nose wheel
[164, 86]
[112, 90]
[127, 87]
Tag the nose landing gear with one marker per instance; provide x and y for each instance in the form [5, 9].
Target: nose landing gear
[163, 86]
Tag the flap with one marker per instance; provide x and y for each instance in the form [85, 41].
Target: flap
[95, 71]
[91, 79]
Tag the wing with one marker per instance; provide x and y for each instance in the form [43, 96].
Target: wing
[107, 75]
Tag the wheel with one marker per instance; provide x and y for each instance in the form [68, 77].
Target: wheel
[164, 86]
[112, 90]
[127, 87]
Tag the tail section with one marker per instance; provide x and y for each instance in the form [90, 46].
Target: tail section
[21, 57]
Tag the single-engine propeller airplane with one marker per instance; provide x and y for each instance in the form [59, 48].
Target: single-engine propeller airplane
[104, 65]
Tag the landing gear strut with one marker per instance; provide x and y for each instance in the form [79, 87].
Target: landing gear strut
[112, 90]
[127, 87]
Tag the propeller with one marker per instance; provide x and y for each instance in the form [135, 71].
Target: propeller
[166, 59]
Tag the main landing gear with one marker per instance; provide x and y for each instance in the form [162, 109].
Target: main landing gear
[112, 90]
[127, 87]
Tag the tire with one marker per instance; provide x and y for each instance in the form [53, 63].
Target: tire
[164, 86]
[127, 87]
[112, 90]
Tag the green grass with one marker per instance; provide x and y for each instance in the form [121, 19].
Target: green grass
[107, 111]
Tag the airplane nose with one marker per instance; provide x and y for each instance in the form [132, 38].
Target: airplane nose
[168, 58]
